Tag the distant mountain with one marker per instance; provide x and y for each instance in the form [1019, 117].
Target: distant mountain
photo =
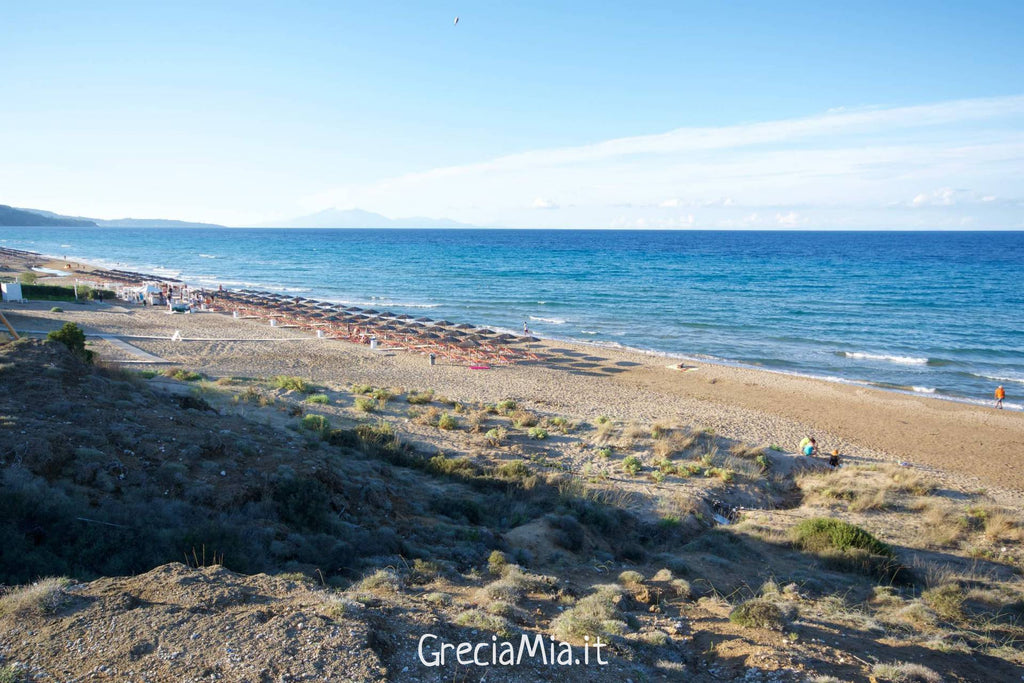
[21, 217]
[357, 218]
[116, 223]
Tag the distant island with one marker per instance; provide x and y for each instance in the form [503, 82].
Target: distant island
[357, 218]
[10, 216]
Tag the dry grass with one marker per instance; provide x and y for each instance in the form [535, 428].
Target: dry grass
[596, 615]
[671, 444]
[42, 597]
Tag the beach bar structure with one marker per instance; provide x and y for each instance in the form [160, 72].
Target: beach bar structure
[11, 291]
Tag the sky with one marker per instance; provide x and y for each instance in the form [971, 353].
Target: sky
[707, 115]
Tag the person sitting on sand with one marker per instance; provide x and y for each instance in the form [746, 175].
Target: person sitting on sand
[833, 460]
[808, 446]
[1000, 395]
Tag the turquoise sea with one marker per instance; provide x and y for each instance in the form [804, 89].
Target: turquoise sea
[937, 313]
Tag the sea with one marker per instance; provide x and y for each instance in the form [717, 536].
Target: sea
[939, 314]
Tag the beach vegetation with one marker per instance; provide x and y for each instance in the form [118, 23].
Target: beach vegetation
[758, 613]
[56, 309]
[148, 374]
[631, 578]
[497, 561]
[361, 389]
[382, 396]
[366, 405]
[447, 422]
[515, 469]
[538, 433]
[524, 418]
[477, 420]
[659, 431]
[946, 600]
[603, 419]
[183, 375]
[904, 672]
[381, 581]
[561, 424]
[506, 407]
[420, 397]
[496, 436]
[72, 336]
[11, 674]
[442, 464]
[427, 416]
[605, 452]
[597, 614]
[317, 424]
[446, 401]
[29, 278]
[321, 399]
[827, 534]
[290, 383]
[479, 619]
[255, 396]
[605, 431]
[631, 464]
[45, 596]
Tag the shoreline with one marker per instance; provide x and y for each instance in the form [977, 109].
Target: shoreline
[921, 392]
[969, 445]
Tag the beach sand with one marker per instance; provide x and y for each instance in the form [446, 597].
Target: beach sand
[969, 447]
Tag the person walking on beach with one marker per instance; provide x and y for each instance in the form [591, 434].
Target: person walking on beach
[526, 330]
[1000, 395]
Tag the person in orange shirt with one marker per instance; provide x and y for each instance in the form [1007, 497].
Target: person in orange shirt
[1000, 395]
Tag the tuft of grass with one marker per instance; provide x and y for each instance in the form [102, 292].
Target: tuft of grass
[321, 399]
[382, 396]
[524, 418]
[380, 581]
[515, 469]
[538, 433]
[182, 375]
[904, 672]
[946, 600]
[605, 453]
[632, 465]
[505, 407]
[603, 420]
[253, 395]
[420, 397]
[630, 578]
[496, 436]
[366, 405]
[442, 464]
[56, 309]
[289, 383]
[447, 422]
[316, 423]
[361, 389]
[45, 596]
[758, 613]
[480, 619]
[596, 615]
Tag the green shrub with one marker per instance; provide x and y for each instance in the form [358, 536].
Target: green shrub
[758, 613]
[289, 383]
[56, 309]
[538, 433]
[596, 615]
[366, 405]
[72, 336]
[631, 578]
[322, 399]
[362, 389]
[447, 422]
[524, 418]
[632, 465]
[603, 419]
[506, 407]
[420, 397]
[496, 436]
[441, 464]
[383, 396]
[497, 562]
[822, 534]
[946, 600]
[516, 469]
[183, 375]
[316, 423]
[605, 453]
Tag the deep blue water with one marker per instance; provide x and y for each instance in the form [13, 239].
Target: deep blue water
[938, 312]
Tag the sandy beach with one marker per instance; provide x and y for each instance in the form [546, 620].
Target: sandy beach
[971, 447]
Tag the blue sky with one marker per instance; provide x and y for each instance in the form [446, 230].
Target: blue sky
[528, 114]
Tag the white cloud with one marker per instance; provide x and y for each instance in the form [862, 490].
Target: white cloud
[787, 220]
[847, 168]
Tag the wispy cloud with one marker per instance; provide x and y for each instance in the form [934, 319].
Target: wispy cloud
[867, 167]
